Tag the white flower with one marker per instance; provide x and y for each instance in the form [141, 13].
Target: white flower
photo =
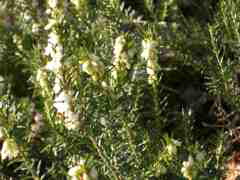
[53, 65]
[72, 120]
[94, 67]
[50, 24]
[152, 78]
[54, 45]
[9, 149]
[27, 17]
[40, 77]
[152, 67]
[72, 125]
[48, 50]
[80, 172]
[76, 3]
[57, 85]
[105, 86]
[53, 38]
[148, 48]
[58, 54]
[72, 116]
[35, 28]
[119, 45]
[172, 149]
[63, 105]
[120, 56]
[188, 168]
[52, 3]
[150, 55]
[62, 102]
[75, 171]
[55, 50]
[114, 76]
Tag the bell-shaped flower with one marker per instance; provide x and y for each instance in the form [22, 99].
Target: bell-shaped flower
[52, 3]
[149, 54]
[188, 170]
[9, 149]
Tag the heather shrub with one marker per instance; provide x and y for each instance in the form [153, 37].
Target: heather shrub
[116, 89]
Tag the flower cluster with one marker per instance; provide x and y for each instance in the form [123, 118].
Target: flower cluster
[122, 55]
[121, 62]
[149, 54]
[95, 79]
[54, 47]
[62, 103]
[54, 50]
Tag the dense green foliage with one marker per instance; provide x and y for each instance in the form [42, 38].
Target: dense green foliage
[119, 89]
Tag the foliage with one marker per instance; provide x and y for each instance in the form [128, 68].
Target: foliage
[115, 89]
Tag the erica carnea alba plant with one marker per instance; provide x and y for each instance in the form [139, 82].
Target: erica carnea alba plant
[118, 89]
